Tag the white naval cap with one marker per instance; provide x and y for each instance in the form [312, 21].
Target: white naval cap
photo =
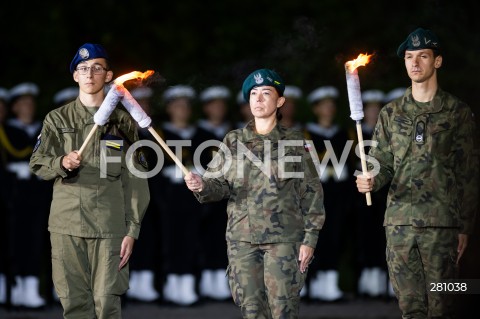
[394, 94]
[178, 91]
[25, 88]
[142, 92]
[369, 96]
[240, 98]
[292, 91]
[214, 92]
[322, 93]
[3, 94]
[65, 95]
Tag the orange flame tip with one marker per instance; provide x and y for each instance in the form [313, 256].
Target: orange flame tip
[361, 60]
[133, 75]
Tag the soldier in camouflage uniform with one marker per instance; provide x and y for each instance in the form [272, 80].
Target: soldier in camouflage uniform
[273, 218]
[426, 149]
[94, 219]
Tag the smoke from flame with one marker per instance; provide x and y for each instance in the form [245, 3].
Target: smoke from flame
[133, 75]
[361, 60]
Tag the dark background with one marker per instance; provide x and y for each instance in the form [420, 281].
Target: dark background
[220, 42]
[202, 43]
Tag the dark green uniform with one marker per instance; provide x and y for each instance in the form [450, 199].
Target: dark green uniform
[269, 216]
[427, 151]
[90, 214]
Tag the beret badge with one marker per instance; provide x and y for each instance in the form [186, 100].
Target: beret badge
[83, 53]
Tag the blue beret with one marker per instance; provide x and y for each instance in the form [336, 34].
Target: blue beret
[418, 40]
[86, 52]
[262, 77]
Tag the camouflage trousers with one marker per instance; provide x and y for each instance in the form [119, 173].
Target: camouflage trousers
[418, 257]
[265, 279]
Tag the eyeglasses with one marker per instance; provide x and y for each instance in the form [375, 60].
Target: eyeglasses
[96, 69]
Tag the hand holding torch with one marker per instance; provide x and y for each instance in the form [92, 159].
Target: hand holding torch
[356, 106]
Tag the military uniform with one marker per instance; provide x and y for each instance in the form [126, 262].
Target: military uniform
[427, 152]
[269, 216]
[90, 214]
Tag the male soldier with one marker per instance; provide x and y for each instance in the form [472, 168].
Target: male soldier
[96, 212]
[426, 149]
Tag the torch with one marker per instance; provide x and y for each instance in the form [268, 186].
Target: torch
[114, 95]
[356, 106]
[144, 121]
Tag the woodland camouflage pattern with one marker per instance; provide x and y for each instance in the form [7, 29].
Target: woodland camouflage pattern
[269, 217]
[279, 297]
[412, 274]
[427, 151]
[428, 154]
[268, 209]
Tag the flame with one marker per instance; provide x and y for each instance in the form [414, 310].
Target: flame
[361, 60]
[133, 75]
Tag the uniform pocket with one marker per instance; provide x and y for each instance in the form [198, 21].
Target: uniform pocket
[112, 162]
[401, 137]
[116, 282]
[441, 139]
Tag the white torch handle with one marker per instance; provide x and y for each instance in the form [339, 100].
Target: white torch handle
[168, 150]
[109, 103]
[89, 137]
[103, 113]
[362, 158]
[354, 95]
[135, 110]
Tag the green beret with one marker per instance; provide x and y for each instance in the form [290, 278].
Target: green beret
[418, 40]
[262, 77]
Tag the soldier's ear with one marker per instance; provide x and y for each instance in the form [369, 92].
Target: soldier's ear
[280, 102]
[109, 76]
[438, 61]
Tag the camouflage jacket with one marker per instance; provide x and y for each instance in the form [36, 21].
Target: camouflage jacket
[86, 204]
[267, 204]
[428, 154]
